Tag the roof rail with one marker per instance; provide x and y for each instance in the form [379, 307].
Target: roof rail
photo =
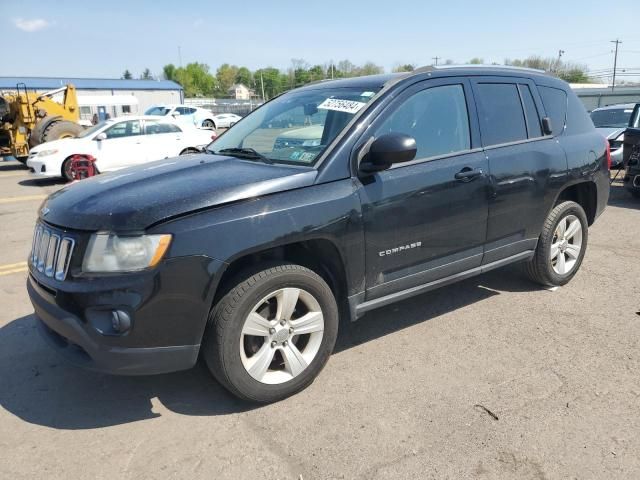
[432, 68]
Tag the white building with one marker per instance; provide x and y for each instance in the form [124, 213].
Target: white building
[102, 96]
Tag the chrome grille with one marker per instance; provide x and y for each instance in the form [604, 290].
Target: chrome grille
[51, 252]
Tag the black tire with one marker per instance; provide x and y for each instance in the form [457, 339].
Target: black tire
[65, 170]
[539, 268]
[61, 129]
[188, 151]
[221, 345]
[208, 123]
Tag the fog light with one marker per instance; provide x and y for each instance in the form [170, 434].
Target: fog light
[120, 321]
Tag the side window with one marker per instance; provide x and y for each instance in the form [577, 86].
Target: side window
[124, 129]
[531, 112]
[154, 128]
[190, 111]
[555, 104]
[185, 110]
[500, 113]
[436, 118]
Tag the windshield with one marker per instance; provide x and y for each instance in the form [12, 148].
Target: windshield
[294, 128]
[614, 118]
[157, 111]
[91, 130]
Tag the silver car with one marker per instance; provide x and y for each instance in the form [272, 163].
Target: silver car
[612, 121]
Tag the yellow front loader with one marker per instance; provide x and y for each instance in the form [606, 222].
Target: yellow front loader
[28, 119]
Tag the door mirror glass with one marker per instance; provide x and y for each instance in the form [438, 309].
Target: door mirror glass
[101, 136]
[546, 126]
[387, 150]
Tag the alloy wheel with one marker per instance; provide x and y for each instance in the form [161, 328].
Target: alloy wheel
[566, 244]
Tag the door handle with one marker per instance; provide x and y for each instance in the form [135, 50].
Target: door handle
[467, 174]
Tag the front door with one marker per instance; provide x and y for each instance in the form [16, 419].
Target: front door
[426, 219]
[123, 146]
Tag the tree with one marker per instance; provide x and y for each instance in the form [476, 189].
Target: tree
[226, 76]
[316, 73]
[169, 71]
[274, 81]
[127, 75]
[146, 75]
[407, 67]
[244, 76]
[369, 68]
[569, 72]
[476, 61]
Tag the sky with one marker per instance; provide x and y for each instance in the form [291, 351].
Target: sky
[102, 39]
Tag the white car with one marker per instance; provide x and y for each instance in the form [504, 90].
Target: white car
[226, 120]
[118, 143]
[198, 117]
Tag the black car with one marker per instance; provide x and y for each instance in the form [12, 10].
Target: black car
[631, 154]
[250, 255]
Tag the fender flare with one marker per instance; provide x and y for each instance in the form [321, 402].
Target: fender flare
[36, 134]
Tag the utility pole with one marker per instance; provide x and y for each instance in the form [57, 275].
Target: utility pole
[436, 60]
[179, 56]
[560, 53]
[615, 64]
[262, 83]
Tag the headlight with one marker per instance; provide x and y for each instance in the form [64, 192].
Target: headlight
[311, 143]
[44, 153]
[110, 253]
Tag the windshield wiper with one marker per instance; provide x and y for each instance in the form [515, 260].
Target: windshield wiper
[245, 152]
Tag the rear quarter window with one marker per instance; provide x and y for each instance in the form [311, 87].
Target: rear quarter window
[578, 119]
[555, 104]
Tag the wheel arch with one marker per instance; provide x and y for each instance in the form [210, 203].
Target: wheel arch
[320, 255]
[584, 194]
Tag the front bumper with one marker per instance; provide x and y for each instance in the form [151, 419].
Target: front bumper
[42, 168]
[168, 310]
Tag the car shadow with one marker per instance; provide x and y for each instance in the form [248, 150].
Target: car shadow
[42, 182]
[12, 166]
[40, 388]
[620, 197]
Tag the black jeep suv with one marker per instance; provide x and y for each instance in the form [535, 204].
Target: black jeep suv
[327, 202]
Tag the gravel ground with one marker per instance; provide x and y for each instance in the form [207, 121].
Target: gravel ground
[489, 378]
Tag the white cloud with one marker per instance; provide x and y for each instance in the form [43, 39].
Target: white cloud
[198, 23]
[32, 25]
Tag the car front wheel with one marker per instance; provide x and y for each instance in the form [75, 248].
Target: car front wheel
[272, 333]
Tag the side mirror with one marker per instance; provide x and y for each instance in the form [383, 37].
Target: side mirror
[546, 126]
[176, 114]
[101, 136]
[387, 150]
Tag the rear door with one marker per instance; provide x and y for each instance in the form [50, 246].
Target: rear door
[423, 221]
[526, 167]
[162, 140]
[122, 148]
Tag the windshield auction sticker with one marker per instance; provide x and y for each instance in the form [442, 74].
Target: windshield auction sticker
[347, 106]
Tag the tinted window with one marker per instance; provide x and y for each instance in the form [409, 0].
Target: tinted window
[555, 104]
[500, 113]
[578, 120]
[436, 118]
[157, 111]
[124, 129]
[185, 110]
[531, 112]
[153, 128]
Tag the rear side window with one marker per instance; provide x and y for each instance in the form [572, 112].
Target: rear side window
[530, 112]
[555, 104]
[500, 113]
[436, 118]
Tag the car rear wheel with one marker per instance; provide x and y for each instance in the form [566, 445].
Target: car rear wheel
[561, 246]
[188, 151]
[272, 333]
[208, 124]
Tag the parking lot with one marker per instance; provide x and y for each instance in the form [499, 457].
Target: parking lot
[493, 377]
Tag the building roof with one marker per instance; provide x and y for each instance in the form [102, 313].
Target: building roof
[50, 83]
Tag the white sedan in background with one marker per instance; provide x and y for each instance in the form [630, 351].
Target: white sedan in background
[118, 143]
[196, 116]
[226, 120]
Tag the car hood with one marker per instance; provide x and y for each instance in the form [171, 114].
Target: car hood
[611, 132]
[62, 144]
[135, 198]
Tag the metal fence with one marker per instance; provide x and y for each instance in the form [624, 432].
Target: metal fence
[224, 105]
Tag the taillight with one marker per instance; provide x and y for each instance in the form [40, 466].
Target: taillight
[214, 136]
[608, 155]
